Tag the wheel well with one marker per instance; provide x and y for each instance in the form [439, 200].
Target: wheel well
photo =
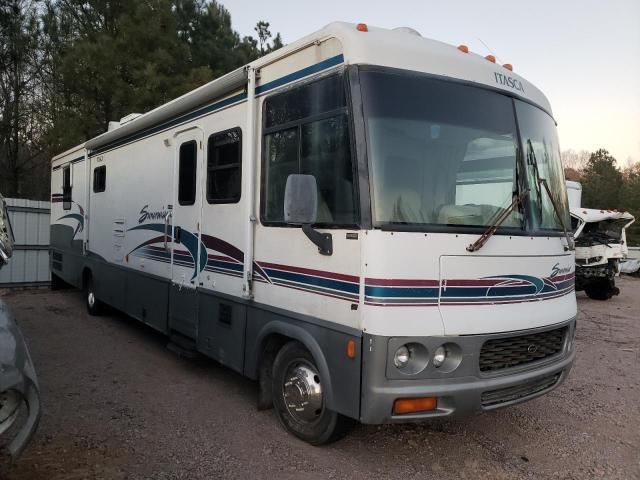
[86, 276]
[270, 348]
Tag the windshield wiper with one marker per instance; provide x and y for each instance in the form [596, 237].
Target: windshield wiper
[531, 160]
[479, 243]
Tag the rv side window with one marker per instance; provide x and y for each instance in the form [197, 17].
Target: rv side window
[187, 173]
[99, 178]
[307, 131]
[66, 188]
[224, 166]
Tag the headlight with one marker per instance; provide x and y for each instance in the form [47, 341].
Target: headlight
[439, 356]
[447, 357]
[402, 356]
[411, 358]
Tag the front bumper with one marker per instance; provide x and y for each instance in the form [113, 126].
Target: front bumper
[464, 391]
[18, 429]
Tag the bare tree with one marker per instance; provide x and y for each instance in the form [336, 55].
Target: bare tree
[575, 160]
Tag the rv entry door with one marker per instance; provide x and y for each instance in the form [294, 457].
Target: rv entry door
[185, 226]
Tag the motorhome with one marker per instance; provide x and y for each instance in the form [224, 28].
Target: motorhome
[371, 224]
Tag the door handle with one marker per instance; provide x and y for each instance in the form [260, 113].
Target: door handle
[166, 230]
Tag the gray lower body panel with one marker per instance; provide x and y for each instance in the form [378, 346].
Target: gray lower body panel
[463, 391]
[231, 330]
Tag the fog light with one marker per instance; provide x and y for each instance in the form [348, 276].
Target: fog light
[439, 356]
[402, 356]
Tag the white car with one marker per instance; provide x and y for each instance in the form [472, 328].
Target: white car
[19, 392]
[600, 247]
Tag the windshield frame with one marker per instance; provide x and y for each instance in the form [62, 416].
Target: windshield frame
[364, 160]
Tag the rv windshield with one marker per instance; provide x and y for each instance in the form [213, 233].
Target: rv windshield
[441, 153]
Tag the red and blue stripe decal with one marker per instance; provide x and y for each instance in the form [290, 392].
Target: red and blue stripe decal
[223, 258]
[482, 291]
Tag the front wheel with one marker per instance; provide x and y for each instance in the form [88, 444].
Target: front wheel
[602, 289]
[299, 398]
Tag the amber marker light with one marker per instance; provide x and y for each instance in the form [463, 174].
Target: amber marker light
[508, 66]
[463, 48]
[491, 58]
[351, 349]
[362, 27]
[414, 405]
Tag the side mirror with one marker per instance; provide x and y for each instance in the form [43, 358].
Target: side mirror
[301, 200]
[301, 208]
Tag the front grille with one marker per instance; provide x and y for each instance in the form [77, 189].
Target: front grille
[507, 352]
[518, 392]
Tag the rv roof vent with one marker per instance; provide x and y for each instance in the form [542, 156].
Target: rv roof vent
[129, 118]
[113, 126]
[408, 30]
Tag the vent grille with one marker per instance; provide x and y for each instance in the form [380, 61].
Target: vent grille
[508, 352]
[519, 392]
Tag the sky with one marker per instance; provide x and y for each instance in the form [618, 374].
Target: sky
[583, 54]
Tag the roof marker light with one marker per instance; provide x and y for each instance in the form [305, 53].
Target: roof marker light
[362, 27]
[491, 58]
[463, 48]
[508, 66]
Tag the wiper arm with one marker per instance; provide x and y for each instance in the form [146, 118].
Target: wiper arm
[479, 243]
[531, 159]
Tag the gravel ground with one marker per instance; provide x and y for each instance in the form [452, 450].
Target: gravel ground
[119, 405]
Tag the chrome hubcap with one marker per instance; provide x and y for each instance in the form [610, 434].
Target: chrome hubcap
[302, 392]
[91, 299]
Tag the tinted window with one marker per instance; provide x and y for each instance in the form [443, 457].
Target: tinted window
[441, 152]
[187, 173]
[66, 188]
[321, 96]
[542, 152]
[224, 167]
[99, 178]
[314, 139]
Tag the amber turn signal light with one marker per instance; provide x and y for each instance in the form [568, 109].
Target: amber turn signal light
[351, 349]
[414, 405]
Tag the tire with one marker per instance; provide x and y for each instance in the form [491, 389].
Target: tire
[299, 400]
[602, 289]
[94, 306]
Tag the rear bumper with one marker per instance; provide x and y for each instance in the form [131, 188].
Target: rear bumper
[466, 390]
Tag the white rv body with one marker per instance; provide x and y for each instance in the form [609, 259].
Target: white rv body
[220, 276]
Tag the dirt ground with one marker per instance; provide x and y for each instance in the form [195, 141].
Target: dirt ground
[119, 405]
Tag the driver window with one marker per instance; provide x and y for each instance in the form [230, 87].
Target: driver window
[307, 131]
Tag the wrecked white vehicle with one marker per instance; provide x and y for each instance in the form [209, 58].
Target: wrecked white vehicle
[601, 245]
[19, 392]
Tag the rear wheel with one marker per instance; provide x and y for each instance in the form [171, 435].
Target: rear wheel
[94, 306]
[299, 398]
